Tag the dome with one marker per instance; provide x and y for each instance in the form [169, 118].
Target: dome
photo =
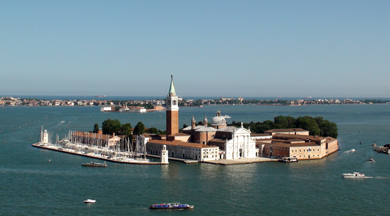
[218, 120]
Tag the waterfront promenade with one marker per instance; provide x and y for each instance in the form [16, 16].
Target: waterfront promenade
[242, 161]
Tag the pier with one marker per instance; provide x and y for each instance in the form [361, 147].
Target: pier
[109, 152]
[122, 160]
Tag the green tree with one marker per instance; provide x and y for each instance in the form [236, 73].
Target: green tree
[309, 124]
[284, 122]
[152, 130]
[96, 128]
[184, 125]
[329, 129]
[126, 129]
[139, 129]
[111, 126]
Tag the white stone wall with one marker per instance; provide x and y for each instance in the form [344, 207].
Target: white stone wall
[184, 152]
[210, 153]
[241, 145]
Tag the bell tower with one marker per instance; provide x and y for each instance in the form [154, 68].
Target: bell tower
[172, 110]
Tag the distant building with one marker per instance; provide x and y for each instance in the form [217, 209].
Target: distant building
[107, 108]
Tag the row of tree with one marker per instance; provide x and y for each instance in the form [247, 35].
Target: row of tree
[315, 126]
[111, 126]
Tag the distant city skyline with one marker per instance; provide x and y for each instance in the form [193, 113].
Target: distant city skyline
[212, 48]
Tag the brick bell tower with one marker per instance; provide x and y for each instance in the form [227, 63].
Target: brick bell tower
[172, 111]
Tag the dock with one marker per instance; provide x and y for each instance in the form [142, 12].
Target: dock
[136, 162]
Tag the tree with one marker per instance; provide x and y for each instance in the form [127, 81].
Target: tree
[139, 129]
[111, 126]
[152, 130]
[96, 128]
[329, 129]
[184, 125]
[284, 122]
[309, 124]
[126, 129]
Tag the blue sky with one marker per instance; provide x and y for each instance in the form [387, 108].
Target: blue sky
[213, 48]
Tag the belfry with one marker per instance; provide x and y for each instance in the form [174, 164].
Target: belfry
[172, 111]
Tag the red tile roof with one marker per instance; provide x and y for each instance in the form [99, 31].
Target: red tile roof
[180, 143]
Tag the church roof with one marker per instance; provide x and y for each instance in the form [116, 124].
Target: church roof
[205, 129]
[200, 128]
[228, 129]
[180, 143]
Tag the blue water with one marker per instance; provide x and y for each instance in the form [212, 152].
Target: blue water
[29, 185]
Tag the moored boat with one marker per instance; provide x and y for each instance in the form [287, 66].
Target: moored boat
[171, 206]
[289, 159]
[92, 164]
[353, 175]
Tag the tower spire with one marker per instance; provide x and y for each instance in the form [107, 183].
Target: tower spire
[172, 90]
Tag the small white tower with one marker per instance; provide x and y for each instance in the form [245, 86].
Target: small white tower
[164, 155]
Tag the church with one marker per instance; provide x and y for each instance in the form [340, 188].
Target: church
[202, 142]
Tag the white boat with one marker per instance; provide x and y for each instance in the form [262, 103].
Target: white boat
[353, 150]
[289, 159]
[353, 175]
[89, 201]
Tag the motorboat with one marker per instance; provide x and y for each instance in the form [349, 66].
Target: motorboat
[89, 201]
[353, 175]
[171, 206]
[371, 159]
[353, 150]
[93, 164]
[289, 159]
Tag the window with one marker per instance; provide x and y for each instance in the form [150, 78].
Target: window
[174, 102]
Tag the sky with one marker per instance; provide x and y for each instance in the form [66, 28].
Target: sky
[212, 48]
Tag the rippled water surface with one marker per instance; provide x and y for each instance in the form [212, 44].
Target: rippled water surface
[29, 185]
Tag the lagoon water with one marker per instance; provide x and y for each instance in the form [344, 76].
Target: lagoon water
[30, 185]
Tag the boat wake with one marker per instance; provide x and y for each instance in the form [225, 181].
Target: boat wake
[349, 151]
[379, 177]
